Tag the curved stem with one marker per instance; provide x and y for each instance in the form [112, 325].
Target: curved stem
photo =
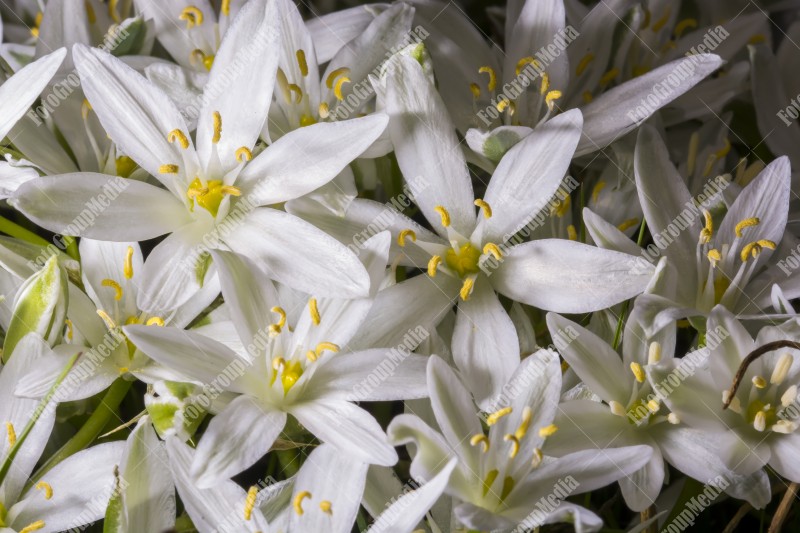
[90, 430]
[15, 230]
[751, 357]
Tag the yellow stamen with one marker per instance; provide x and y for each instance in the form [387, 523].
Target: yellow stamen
[12, 435]
[401, 239]
[117, 288]
[192, 15]
[45, 486]
[714, 257]
[627, 224]
[781, 369]
[708, 231]
[683, 25]
[497, 415]
[323, 110]
[298, 501]
[584, 63]
[329, 346]
[70, 332]
[476, 90]
[312, 308]
[433, 264]
[444, 214]
[726, 147]
[275, 329]
[482, 439]
[127, 269]
[226, 7]
[90, 14]
[572, 233]
[654, 353]
[178, 135]
[492, 77]
[638, 372]
[545, 86]
[485, 207]
[311, 356]
[466, 288]
[537, 457]
[657, 25]
[168, 169]
[616, 408]
[155, 321]
[301, 62]
[609, 76]
[337, 89]
[298, 92]
[548, 431]
[514, 445]
[231, 190]
[597, 189]
[335, 74]
[110, 324]
[250, 502]
[754, 248]
[759, 382]
[243, 154]
[524, 62]
[85, 108]
[746, 223]
[278, 363]
[123, 370]
[217, 127]
[551, 97]
[113, 12]
[760, 421]
[491, 248]
[502, 104]
[524, 424]
[35, 526]
[325, 507]
[653, 405]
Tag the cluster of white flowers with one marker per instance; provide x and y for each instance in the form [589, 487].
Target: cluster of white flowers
[266, 270]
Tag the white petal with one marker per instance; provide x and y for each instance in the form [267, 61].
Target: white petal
[102, 260]
[98, 206]
[569, 277]
[235, 439]
[332, 31]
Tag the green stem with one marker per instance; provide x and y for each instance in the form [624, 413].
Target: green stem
[34, 418]
[90, 430]
[72, 247]
[618, 332]
[15, 230]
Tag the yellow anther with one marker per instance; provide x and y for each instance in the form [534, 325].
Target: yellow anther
[627, 224]
[226, 7]
[537, 457]
[597, 189]
[295, 89]
[551, 97]
[155, 321]
[250, 502]
[522, 430]
[653, 406]
[127, 268]
[616, 408]
[243, 154]
[110, 324]
[335, 74]
[714, 257]
[482, 439]
[746, 223]
[657, 25]
[638, 372]
[754, 248]
[548, 431]
[545, 85]
[11, 434]
[35, 526]
[192, 15]
[759, 382]
[485, 207]
[325, 507]
[217, 127]
[90, 14]
[514, 445]
[654, 353]
[497, 415]
[116, 286]
[323, 346]
[231, 190]
[168, 169]
[298, 501]
[444, 214]
[587, 97]
[760, 421]
[433, 264]
[113, 12]
[475, 90]
[708, 231]
[337, 89]
[323, 110]
[208, 61]
[312, 309]
[781, 369]
[584, 63]
[178, 135]
[609, 76]
[45, 486]
[406, 233]
[502, 104]
[466, 288]
[683, 25]
[70, 331]
[301, 62]
[726, 147]
[123, 370]
[311, 355]
[572, 233]
[524, 62]
[491, 248]
[275, 329]
[492, 77]
[278, 363]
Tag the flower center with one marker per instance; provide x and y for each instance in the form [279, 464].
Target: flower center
[463, 260]
[210, 195]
